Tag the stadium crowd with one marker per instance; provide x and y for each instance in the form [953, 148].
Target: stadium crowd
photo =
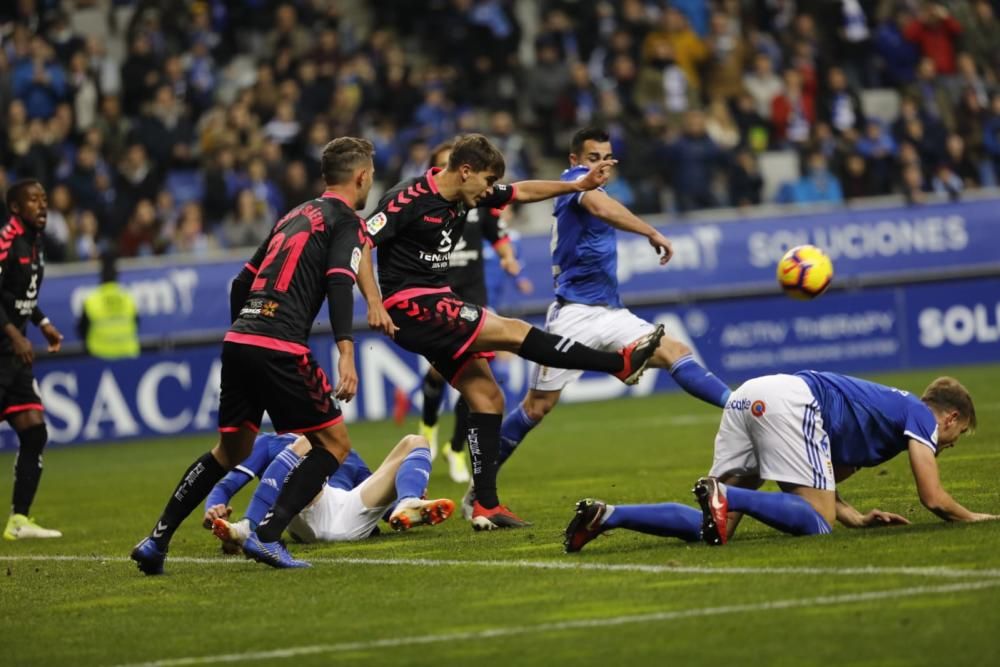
[212, 122]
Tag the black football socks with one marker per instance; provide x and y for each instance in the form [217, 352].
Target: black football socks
[193, 488]
[303, 483]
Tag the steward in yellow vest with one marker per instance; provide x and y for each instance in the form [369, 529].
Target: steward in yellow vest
[109, 323]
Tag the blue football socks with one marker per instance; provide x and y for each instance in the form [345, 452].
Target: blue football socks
[516, 425]
[698, 381]
[270, 485]
[413, 473]
[787, 512]
[663, 519]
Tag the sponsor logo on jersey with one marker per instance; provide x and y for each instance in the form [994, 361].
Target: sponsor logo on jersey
[431, 218]
[446, 242]
[738, 404]
[355, 259]
[758, 408]
[252, 308]
[375, 223]
[268, 308]
[469, 313]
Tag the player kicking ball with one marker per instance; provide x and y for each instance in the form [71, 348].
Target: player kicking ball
[348, 507]
[807, 432]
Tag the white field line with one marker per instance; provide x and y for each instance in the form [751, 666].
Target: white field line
[514, 630]
[570, 564]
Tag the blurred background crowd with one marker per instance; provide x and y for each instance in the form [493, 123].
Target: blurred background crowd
[173, 126]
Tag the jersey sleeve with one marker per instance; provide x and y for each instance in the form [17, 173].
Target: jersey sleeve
[389, 218]
[921, 426]
[502, 195]
[347, 238]
[494, 229]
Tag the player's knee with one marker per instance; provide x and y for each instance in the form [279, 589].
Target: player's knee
[413, 441]
[536, 409]
[671, 350]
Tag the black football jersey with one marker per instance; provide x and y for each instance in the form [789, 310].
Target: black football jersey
[315, 240]
[22, 267]
[465, 271]
[416, 230]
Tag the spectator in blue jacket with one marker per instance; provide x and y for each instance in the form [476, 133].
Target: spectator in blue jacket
[817, 184]
[694, 158]
[39, 81]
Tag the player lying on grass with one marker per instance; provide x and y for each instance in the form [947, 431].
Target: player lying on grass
[350, 504]
[806, 432]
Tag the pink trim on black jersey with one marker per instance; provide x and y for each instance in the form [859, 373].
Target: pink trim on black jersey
[310, 429]
[11, 409]
[504, 241]
[329, 194]
[474, 336]
[346, 272]
[266, 342]
[430, 179]
[412, 293]
[11, 231]
[251, 268]
[513, 195]
[247, 424]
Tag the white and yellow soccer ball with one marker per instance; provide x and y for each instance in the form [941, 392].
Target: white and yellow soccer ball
[805, 272]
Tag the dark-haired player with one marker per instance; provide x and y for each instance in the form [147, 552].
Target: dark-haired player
[467, 278]
[808, 432]
[415, 227]
[312, 254]
[22, 265]
[588, 306]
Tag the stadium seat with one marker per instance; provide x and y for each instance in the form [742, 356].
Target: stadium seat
[777, 167]
[882, 103]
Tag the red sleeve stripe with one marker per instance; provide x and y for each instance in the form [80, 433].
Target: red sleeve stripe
[251, 268]
[503, 241]
[513, 193]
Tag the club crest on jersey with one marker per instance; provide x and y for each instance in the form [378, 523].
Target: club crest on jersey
[355, 259]
[758, 408]
[469, 313]
[375, 223]
[268, 308]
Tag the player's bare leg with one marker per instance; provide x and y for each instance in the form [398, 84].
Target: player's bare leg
[533, 344]
[529, 414]
[688, 373]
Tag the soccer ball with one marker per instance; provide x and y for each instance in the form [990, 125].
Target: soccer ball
[805, 272]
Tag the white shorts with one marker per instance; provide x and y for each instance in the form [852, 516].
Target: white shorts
[772, 427]
[336, 516]
[600, 327]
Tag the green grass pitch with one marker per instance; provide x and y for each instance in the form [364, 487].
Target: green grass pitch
[447, 596]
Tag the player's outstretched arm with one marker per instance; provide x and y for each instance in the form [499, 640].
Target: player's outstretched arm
[378, 316]
[613, 212]
[932, 494]
[530, 191]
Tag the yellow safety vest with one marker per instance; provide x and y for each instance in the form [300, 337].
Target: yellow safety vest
[113, 333]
